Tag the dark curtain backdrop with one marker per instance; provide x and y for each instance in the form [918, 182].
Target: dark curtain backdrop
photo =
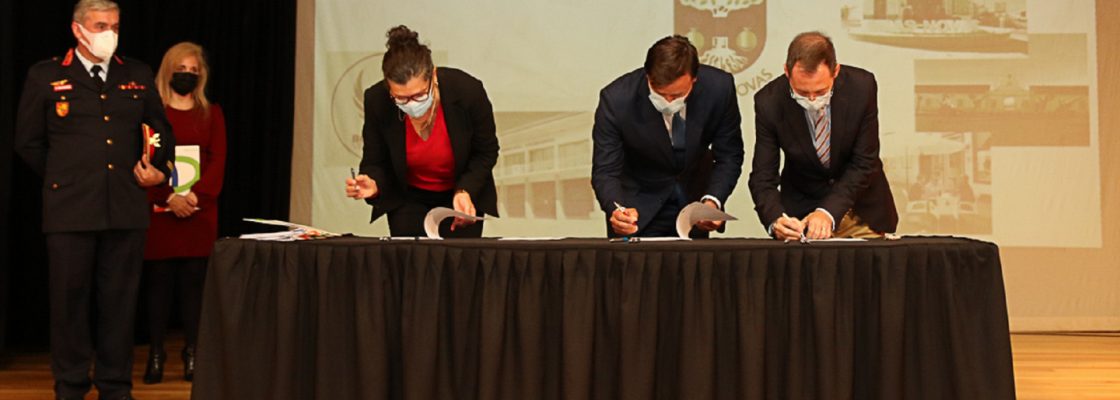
[251, 49]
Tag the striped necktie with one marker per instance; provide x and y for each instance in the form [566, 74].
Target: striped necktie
[822, 135]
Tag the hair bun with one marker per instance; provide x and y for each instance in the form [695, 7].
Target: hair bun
[401, 36]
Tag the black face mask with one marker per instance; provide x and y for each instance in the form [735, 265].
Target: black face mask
[184, 83]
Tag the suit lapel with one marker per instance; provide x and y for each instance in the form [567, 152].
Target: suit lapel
[394, 136]
[116, 75]
[455, 120]
[798, 126]
[652, 127]
[840, 121]
[694, 122]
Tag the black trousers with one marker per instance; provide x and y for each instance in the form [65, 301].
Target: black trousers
[162, 278]
[102, 268]
[408, 219]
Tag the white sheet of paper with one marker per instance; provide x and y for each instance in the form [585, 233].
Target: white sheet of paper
[289, 225]
[696, 212]
[533, 239]
[438, 214]
[664, 238]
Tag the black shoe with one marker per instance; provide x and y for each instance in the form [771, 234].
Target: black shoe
[188, 363]
[154, 371]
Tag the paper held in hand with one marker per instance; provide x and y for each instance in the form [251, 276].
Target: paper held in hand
[438, 214]
[696, 212]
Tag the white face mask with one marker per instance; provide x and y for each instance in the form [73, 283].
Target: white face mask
[102, 44]
[815, 105]
[417, 109]
[666, 107]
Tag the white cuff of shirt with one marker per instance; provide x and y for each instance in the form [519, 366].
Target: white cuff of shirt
[829, 217]
[719, 204]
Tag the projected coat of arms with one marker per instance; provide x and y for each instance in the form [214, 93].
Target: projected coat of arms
[729, 34]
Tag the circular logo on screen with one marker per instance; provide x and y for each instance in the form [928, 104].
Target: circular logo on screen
[347, 101]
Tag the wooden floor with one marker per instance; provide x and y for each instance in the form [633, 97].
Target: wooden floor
[1047, 367]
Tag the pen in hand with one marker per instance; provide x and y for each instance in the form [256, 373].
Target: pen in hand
[620, 208]
[802, 233]
[353, 175]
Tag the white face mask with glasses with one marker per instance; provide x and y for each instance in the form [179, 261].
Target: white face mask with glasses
[814, 105]
[418, 105]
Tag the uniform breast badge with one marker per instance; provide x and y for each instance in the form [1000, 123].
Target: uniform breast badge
[61, 86]
[62, 108]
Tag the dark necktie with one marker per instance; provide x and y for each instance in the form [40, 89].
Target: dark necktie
[96, 72]
[678, 153]
[678, 138]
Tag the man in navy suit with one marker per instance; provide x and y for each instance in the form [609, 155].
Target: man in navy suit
[666, 135]
[825, 119]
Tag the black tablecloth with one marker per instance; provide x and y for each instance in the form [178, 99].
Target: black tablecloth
[357, 318]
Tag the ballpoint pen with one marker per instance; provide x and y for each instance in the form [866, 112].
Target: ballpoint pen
[627, 238]
[353, 175]
[802, 233]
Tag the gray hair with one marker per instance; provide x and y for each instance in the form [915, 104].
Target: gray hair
[85, 6]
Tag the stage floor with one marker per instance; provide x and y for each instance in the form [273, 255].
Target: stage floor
[1047, 366]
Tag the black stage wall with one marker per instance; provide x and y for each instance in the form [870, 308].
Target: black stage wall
[251, 49]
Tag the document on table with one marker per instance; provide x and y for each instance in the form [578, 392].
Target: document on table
[696, 212]
[835, 240]
[294, 232]
[438, 214]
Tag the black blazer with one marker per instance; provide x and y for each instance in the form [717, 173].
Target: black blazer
[470, 126]
[84, 141]
[854, 179]
[633, 157]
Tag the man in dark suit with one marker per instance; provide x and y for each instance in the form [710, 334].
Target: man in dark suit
[825, 119]
[666, 135]
[79, 127]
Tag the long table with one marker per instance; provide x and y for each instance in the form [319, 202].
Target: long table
[363, 318]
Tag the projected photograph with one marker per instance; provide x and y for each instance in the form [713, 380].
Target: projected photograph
[941, 181]
[1040, 100]
[983, 26]
[544, 172]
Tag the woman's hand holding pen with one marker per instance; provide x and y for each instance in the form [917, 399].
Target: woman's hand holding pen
[361, 187]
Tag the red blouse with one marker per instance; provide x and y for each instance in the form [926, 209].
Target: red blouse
[194, 236]
[431, 163]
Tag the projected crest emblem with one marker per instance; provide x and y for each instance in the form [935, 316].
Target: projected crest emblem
[348, 101]
[729, 34]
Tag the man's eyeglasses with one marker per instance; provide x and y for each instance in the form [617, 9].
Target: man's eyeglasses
[402, 100]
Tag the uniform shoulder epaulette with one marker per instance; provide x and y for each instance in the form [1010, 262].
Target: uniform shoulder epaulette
[69, 58]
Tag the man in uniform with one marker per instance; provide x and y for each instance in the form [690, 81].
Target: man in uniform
[79, 127]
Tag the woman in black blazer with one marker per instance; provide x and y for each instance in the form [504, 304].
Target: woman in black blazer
[429, 141]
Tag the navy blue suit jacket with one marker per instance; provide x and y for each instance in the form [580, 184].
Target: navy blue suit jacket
[633, 158]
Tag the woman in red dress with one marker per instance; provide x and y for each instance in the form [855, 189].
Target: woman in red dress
[184, 225]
